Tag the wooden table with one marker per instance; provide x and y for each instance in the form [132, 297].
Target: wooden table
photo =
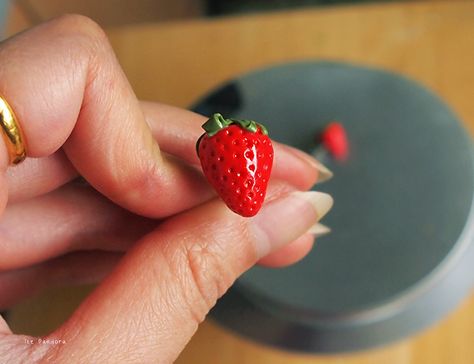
[178, 62]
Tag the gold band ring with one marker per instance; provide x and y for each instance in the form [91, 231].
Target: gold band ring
[13, 136]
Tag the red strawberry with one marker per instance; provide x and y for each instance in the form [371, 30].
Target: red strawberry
[236, 157]
[334, 139]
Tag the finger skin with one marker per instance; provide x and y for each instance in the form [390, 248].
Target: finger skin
[71, 269]
[66, 86]
[289, 254]
[4, 329]
[75, 217]
[38, 176]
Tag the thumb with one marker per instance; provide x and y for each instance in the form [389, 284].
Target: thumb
[151, 305]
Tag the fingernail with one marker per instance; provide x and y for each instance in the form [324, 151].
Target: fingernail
[319, 230]
[324, 174]
[283, 220]
[321, 202]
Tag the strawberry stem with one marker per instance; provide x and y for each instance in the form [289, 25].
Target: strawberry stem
[217, 122]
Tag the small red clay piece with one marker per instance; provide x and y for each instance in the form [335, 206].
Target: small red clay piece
[334, 139]
[236, 158]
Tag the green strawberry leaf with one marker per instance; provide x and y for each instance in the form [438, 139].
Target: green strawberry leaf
[217, 122]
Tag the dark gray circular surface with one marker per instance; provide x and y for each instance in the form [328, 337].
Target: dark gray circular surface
[401, 253]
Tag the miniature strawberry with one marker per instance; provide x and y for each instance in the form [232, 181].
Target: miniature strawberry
[236, 158]
[334, 139]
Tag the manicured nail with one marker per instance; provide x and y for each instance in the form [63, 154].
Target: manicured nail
[319, 230]
[321, 202]
[283, 220]
[324, 174]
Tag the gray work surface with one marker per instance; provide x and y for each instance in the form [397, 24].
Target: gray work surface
[401, 253]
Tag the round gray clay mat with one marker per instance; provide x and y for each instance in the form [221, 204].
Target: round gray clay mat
[399, 255]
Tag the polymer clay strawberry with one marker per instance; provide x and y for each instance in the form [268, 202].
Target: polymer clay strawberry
[334, 139]
[236, 157]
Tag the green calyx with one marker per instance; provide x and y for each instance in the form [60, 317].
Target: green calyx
[217, 122]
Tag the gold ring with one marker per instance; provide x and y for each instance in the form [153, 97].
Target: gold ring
[13, 136]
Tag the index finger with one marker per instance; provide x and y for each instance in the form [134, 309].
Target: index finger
[67, 89]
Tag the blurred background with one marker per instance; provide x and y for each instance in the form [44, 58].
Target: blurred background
[110, 13]
[429, 41]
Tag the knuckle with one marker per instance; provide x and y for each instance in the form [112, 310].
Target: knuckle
[84, 31]
[203, 269]
[207, 272]
[205, 280]
[80, 24]
[135, 181]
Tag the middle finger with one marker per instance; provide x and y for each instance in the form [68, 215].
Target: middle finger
[176, 131]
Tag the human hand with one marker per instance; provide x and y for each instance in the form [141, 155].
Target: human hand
[146, 220]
